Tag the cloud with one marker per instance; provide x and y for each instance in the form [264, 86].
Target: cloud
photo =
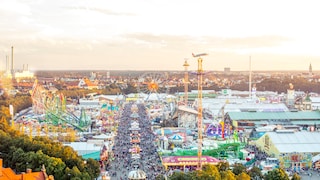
[265, 41]
[211, 43]
[99, 10]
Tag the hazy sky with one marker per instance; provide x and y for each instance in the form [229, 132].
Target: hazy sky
[160, 34]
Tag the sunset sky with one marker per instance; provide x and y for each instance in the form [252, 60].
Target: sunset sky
[160, 34]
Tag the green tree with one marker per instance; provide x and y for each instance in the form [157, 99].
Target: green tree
[276, 174]
[5, 113]
[41, 151]
[223, 166]
[210, 172]
[55, 166]
[255, 173]
[296, 177]
[243, 176]
[130, 89]
[92, 167]
[160, 177]
[73, 173]
[179, 176]
[227, 175]
[238, 168]
[20, 159]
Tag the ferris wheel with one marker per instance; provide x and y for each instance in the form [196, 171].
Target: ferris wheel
[153, 82]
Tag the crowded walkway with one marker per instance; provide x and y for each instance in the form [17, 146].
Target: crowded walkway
[148, 161]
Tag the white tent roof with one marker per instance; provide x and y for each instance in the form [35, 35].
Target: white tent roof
[101, 136]
[134, 123]
[303, 141]
[316, 158]
[83, 147]
[187, 109]
[176, 137]
[137, 174]
[152, 97]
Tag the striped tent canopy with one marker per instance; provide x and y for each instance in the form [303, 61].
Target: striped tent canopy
[176, 137]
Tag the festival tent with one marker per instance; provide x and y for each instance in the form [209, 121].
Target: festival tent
[137, 174]
[135, 156]
[102, 136]
[316, 158]
[134, 123]
[188, 160]
[94, 155]
[165, 131]
[152, 97]
[134, 129]
[176, 138]
[134, 115]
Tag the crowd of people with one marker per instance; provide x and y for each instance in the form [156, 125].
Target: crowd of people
[148, 161]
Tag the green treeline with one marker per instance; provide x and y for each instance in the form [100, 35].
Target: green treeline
[222, 171]
[20, 152]
[19, 102]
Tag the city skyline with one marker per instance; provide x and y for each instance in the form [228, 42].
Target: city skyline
[160, 35]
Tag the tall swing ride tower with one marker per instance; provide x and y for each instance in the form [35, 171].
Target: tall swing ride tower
[186, 81]
[200, 77]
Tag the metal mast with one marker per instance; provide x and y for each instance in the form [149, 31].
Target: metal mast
[199, 74]
[186, 81]
[250, 86]
[12, 70]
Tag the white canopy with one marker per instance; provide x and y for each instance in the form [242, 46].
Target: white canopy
[137, 174]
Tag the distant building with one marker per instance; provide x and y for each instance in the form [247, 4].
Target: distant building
[187, 117]
[293, 149]
[250, 120]
[303, 103]
[227, 69]
[87, 84]
[290, 96]
[310, 71]
[93, 76]
[72, 85]
[24, 74]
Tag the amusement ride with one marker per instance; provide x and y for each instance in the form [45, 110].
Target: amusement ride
[53, 105]
[200, 76]
[153, 83]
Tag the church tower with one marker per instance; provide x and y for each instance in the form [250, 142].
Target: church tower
[310, 70]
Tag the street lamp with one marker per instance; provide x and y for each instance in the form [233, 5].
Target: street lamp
[199, 74]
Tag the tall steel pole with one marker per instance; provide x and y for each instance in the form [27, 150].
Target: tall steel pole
[186, 81]
[250, 75]
[12, 70]
[199, 74]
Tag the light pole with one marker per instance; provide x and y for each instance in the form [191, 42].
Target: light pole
[199, 74]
